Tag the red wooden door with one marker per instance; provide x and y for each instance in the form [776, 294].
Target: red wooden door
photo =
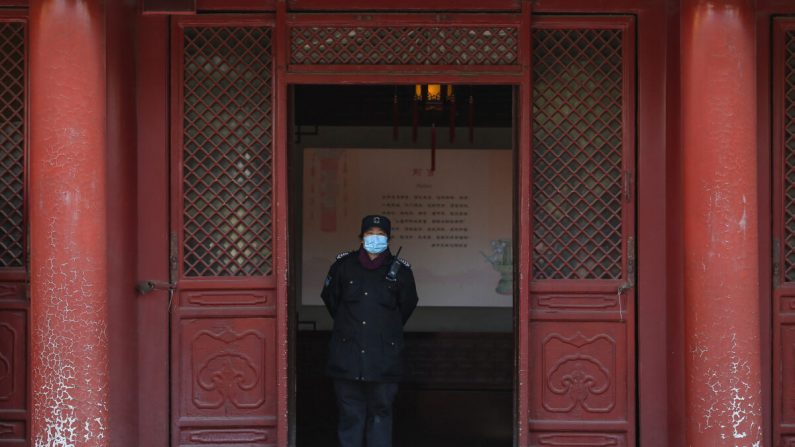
[576, 362]
[223, 211]
[14, 303]
[783, 308]
[582, 328]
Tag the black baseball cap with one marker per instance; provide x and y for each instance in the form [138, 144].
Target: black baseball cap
[375, 220]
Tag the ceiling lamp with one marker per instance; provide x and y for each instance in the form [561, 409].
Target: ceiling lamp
[433, 99]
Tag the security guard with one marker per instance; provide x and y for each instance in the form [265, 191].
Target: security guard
[370, 294]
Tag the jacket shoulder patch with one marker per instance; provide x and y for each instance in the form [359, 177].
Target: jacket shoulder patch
[343, 254]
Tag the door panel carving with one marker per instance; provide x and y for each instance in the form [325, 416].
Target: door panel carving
[263, 299]
[788, 372]
[13, 356]
[584, 439]
[253, 438]
[578, 372]
[228, 363]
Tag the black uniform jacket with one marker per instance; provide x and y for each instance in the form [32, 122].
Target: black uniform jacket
[369, 312]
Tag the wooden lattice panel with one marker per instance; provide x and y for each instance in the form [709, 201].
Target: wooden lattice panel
[577, 153]
[347, 45]
[789, 156]
[227, 157]
[12, 143]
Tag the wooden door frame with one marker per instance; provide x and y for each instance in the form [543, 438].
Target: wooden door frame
[657, 317]
[518, 76]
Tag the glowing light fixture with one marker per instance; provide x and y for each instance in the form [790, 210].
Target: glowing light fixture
[433, 96]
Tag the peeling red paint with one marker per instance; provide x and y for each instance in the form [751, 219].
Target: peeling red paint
[723, 368]
[69, 361]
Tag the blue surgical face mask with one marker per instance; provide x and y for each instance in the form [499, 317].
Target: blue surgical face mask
[375, 243]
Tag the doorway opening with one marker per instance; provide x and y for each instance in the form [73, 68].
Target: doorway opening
[442, 168]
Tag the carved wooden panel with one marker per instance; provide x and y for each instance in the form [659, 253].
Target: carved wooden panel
[12, 359]
[401, 45]
[12, 433]
[226, 368]
[257, 437]
[578, 440]
[577, 374]
[13, 375]
[579, 305]
[787, 304]
[265, 300]
[12, 292]
[787, 353]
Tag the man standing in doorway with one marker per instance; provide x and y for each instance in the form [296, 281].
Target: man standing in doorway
[370, 294]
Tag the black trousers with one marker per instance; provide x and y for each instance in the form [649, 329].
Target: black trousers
[365, 410]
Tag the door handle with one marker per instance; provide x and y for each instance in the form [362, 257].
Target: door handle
[149, 285]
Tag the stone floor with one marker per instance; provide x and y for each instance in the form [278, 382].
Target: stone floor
[425, 418]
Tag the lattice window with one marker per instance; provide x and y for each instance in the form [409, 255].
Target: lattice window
[577, 153]
[340, 45]
[789, 157]
[227, 151]
[12, 143]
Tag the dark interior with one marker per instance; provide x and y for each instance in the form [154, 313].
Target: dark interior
[458, 389]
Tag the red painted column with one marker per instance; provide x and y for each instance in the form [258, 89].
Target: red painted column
[68, 258]
[722, 367]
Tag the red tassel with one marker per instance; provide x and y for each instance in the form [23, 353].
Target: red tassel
[414, 118]
[471, 119]
[452, 119]
[395, 118]
[433, 147]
